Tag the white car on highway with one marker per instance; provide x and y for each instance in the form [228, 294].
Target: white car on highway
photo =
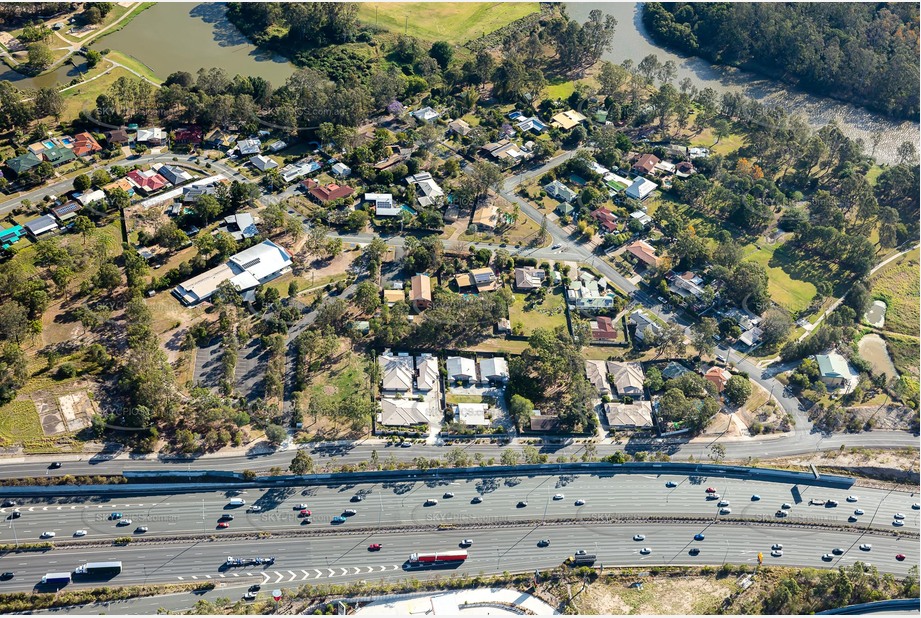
[580, 502]
[852, 498]
[48, 535]
[858, 511]
[645, 551]
[123, 522]
[723, 503]
[558, 497]
[725, 511]
[80, 533]
[639, 537]
[899, 516]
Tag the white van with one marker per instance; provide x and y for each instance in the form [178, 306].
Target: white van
[237, 502]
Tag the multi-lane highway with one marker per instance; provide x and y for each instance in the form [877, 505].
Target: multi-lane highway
[548, 498]
[395, 515]
[343, 558]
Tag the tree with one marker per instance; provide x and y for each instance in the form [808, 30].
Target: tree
[108, 277]
[93, 58]
[40, 56]
[82, 182]
[367, 297]
[302, 463]
[737, 390]
[442, 52]
[207, 208]
[702, 334]
[775, 326]
[721, 129]
[276, 434]
[520, 409]
[509, 457]
[83, 225]
[14, 320]
[49, 102]
[717, 452]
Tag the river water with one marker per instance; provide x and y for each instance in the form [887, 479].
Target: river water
[632, 41]
[174, 36]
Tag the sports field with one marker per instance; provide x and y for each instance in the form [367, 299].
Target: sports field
[454, 22]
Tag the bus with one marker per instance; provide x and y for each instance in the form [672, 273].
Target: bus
[99, 569]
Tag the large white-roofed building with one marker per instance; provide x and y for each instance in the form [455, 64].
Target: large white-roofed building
[245, 270]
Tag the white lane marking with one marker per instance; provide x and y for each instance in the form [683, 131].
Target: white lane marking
[293, 575]
[280, 577]
[306, 574]
[207, 577]
[236, 574]
[330, 572]
[345, 571]
[223, 575]
[315, 576]
[194, 577]
[265, 575]
[357, 571]
[181, 578]
[251, 575]
[370, 569]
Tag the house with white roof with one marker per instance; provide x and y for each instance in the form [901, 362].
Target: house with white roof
[245, 270]
[263, 163]
[493, 369]
[427, 375]
[641, 188]
[293, 171]
[154, 136]
[460, 369]
[403, 412]
[88, 197]
[341, 170]
[240, 226]
[431, 193]
[249, 146]
[383, 204]
[396, 373]
[471, 414]
[426, 114]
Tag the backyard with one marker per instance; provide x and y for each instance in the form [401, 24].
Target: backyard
[792, 293]
[526, 316]
[452, 22]
[332, 385]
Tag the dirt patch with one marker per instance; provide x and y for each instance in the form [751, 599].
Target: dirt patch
[657, 596]
[890, 417]
[77, 410]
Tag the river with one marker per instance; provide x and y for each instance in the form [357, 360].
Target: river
[632, 41]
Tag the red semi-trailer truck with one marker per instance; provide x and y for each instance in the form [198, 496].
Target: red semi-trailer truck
[437, 559]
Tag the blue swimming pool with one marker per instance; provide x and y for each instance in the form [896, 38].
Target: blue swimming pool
[408, 209]
[48, 144]
[67, 141]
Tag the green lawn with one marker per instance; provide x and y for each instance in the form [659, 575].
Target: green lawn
[550, 313]
[897, 285]
[787, 291]
[134, 64]
[454, 22]
[904, 352]
[19, 422]
[83, 97]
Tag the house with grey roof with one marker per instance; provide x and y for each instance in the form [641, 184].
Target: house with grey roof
[558, 190]
[834, 370]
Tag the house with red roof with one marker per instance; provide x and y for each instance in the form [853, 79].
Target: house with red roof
[646, 164]
[189, 135]
[605, 218]
[644, 252]
[326, 193]
[85, 144]
[147, 182]
[603, 328]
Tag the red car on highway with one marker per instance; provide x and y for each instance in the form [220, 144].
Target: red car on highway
[223, 525]
[900, 557]
[374, 547]
[710, 490]
[305, 513]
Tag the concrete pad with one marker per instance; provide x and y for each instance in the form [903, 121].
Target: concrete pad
[876, 314]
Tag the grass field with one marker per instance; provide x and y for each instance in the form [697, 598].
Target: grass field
[785, 290]
[904, 352]
[897, 285]
[134, 64]
[83, 97]
[548, 314]
[454, 22]
[19, 422]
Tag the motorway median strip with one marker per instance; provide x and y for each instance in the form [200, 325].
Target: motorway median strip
[592, 520]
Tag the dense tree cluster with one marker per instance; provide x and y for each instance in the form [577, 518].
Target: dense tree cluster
[551, 374]
[860, 52]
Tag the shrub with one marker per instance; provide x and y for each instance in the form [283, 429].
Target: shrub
[65, 371]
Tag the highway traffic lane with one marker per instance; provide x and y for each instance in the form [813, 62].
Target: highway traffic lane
[404, 504]
[346, 557]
